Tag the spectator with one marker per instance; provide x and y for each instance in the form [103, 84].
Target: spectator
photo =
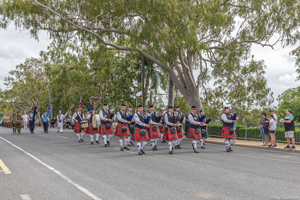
[289, 128]
[187, 123]
[1, 122]
[272, 129]
[262, 130]
[265, 123]
[275, 118]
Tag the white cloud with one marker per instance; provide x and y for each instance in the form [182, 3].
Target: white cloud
[288, 81]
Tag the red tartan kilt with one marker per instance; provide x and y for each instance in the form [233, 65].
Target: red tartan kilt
[119, 132]
[225, 132]
[168, 136]
[180, 134]
[154, 134]
[104, 131]
[137, 135]
[78, 128]
[163, 129]
[193, 135]
[91, 130]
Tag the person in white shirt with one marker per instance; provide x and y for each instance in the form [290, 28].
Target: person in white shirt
[228, 131]
[25, 120]
[106, 129]
[194, 131]
[140, 133]
[122, 128]
[60, 121]
[78, 117]
[272, 112]
[171, 133]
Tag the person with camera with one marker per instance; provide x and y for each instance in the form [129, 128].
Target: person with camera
[171, 133]
[140, 133]
[289, 127]
[228, 131]
[265, 125]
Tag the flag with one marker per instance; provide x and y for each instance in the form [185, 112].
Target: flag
[70, 108]
[79, 103]
[49, 107]
[34, 112]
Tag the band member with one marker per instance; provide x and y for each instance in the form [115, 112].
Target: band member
[154, 132]
[91, 130]
[122, 128]
[131, 126]
[194, 131]
[203, 127]
[162, 128]
[228, 131]
[60, 121]
[171, 133]
[179, 127]
[106, 129]
[45, 120]
[78, 117]
[18, 122]
[25, 120]
[140, 133]
[13, 125]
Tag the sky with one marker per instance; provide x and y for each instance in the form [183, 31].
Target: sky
[16, 46]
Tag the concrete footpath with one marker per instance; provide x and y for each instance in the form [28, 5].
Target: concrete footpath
[254, 144]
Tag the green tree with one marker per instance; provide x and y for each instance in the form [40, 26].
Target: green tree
[289, 99]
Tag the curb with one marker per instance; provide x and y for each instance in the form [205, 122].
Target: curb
[254, 147]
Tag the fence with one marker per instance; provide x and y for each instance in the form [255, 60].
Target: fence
[251, 131]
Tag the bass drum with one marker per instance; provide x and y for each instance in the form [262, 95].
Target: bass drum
[96, 121]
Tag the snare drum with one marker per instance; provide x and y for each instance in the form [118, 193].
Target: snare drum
[84, 124]
[96, 121]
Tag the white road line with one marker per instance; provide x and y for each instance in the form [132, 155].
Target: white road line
[55, 171]
[7, 172]
[25, 197]
[62, 137]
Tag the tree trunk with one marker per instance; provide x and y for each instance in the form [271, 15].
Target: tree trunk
[171, 91]
[150, 98]
[143, 81]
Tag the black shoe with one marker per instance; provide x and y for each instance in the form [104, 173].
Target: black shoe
[170, 152]
[176, 147]
[193, 147]
[230, 149]
[81, 140]
[142, 150]
[195, 151]
[106, 145]
[57, 131]
[126, 148]
[287, 147]
[275, 145]
[203, 143]
[92, 142]
[121, 149]
[270, 146]
[140, 153]
[164, 141]
[293, 147]
[153, 149]
[97, 142]
[202, 147]
[179, 146]
[132, 143]
[129, 145]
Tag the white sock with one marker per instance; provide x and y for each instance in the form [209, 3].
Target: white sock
[152, 142]
[128, 139]
[138, 145]
[104, 139]
[81, 135]
[125, 142]
[144, 144]
[109, 137]
[174, 142]
[201, 142]
[97, 136]
[162, 135]
[121, 142]
[170, 146]
[195, 144]
[179, 141]
[227, 144]
[92, 138]
[78, 136]
[231, 142]
[156, 140]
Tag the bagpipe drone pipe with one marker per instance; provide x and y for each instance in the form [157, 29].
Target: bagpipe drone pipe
[234, 116]
[147, 119]
[129, 118]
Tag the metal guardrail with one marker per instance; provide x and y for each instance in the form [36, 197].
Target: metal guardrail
[251, 131]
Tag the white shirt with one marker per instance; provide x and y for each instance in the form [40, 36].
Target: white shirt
[167, 119]
[75, 115]
[62, 117]
[275, 117]
[25, 117]
[224, 118]
[119, 117]
[137, 119]
[101, 115]
[192, 121]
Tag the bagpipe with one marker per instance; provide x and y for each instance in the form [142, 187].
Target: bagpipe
[234, 116]
[203, 117]
[129, 118]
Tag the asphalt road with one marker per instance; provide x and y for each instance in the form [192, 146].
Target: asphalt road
[55, 166]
